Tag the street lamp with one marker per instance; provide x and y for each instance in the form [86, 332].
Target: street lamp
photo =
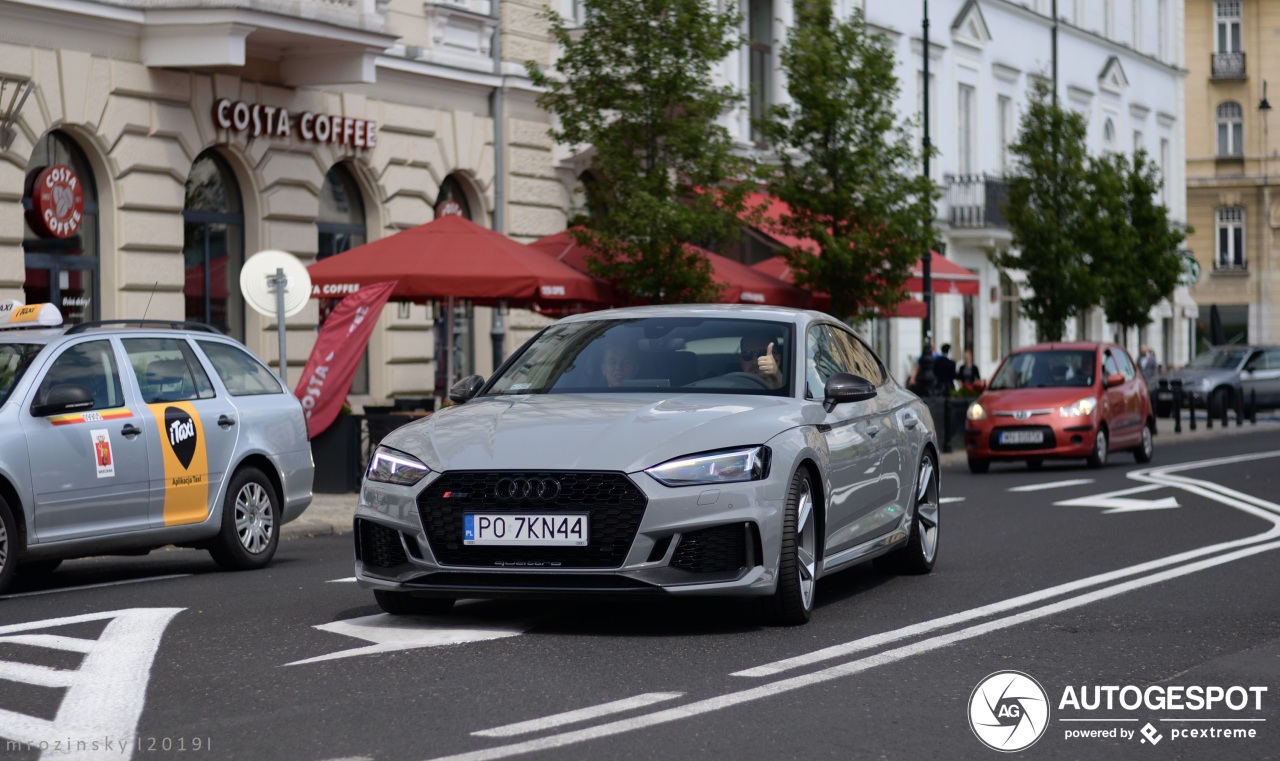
[925, 379]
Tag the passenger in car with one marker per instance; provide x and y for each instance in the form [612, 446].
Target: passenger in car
[759, 356]
[621, 363]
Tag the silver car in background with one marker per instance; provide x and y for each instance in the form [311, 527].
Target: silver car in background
[117, 438]
[690, 450]
[1220, 376]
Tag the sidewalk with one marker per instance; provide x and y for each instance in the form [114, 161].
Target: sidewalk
[332, 513]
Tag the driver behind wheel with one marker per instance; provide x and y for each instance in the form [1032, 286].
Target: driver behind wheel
[760, 356]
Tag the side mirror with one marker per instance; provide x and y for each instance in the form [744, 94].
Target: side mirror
[64, 397]
[846, 387]
[465, 389]
[1251, 365]
[1114, 380]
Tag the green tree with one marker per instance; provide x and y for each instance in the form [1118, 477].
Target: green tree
[1048, 210]
[634, 84]
[1135, 247]
[846, 166]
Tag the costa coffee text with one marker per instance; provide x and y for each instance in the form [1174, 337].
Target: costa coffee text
[273, 121]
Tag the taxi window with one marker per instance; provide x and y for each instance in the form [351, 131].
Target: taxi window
[167, 370]
[241, 373]
[91, 364]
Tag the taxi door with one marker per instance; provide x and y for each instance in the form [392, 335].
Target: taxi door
[89, 468]
[195, 429]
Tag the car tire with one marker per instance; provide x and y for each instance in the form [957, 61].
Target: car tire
[405, 604]
[250, 523]
[1035, 464]
[792, 602]
[978, 466]
[9, 549]
[30, 568]
[1098, 458]
[1146, 450]
[920, 551]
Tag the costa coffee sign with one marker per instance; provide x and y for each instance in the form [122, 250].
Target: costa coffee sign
[57, 202]
[257, 120]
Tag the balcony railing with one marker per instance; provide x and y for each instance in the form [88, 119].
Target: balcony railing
[976, 200]
[1227, 65]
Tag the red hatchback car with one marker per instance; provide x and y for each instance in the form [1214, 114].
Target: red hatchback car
[1061, 400]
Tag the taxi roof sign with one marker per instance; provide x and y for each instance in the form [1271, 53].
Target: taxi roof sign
[14, 314]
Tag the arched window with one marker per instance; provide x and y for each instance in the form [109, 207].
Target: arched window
[1230, 129]
[1109, 135]
[341, 226]
[452, 199]
[213, 245]
[61, 236]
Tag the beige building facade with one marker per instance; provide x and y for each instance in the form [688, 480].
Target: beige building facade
[197, 136]
[1232, 161]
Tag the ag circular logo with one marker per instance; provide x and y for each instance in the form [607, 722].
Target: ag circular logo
[1008, 711]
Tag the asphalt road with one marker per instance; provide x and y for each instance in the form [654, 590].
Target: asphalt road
[1169, 583]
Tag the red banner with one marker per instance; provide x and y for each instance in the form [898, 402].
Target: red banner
[327, 377]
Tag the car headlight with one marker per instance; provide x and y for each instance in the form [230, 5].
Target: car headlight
[1082, 408]
[751, 464]
[392, 466]
[976, 412]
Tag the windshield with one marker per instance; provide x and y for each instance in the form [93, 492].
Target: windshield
[713, 355]
[1218, 359]
[1046, 369]
[14, 359]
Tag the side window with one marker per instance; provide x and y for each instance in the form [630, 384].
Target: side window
[1109, 365]
[1126, 364]
[1272, 360]
[91, 364]
[167, 370]
[861, 361]
[241, 373]
[822, 360]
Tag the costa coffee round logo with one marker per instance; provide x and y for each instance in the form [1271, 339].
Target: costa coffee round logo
[57, 202]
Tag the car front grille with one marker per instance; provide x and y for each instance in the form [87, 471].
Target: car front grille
[380, 547]
[1048, 440]
[613, 504]
[712, 550]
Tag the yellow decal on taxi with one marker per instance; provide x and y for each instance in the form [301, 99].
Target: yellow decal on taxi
[186, 463]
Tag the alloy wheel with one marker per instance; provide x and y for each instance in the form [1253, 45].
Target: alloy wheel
[806, 545]
[254, 519]
[927, 510]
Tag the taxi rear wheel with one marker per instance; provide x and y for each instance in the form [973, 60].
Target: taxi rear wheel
[250, 523]
[8, 544]
[405, 604]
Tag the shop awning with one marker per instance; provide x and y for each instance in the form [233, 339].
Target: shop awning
[454, 258]
[947, 277]
[778, 267]
[742, 284]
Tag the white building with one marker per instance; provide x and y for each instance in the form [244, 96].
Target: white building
[1120, 64]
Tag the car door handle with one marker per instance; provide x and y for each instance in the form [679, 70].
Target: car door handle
[226, 422]
[129, 430]
[873, 430]
[910, 420]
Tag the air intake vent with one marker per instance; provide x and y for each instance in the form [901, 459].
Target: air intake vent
[380, 547]
[712, 550]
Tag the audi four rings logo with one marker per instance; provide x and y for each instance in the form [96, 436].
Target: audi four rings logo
[530, 489]
[1008, 711]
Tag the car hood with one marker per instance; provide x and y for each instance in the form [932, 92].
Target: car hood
[593, 431]
[1193, 376]
[1034, 398]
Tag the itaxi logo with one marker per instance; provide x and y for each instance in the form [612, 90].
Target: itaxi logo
[1009, 711]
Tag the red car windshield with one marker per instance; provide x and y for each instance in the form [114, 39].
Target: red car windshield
[1059, 368]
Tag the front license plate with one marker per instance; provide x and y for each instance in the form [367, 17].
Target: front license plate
[1021, 437]
[521, 529]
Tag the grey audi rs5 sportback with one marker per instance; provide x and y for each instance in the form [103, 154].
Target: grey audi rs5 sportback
[681, 450]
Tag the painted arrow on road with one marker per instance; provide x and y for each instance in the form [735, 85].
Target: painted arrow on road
[1119, 502]
[392, 633]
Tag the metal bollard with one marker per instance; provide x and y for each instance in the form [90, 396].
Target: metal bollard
[1225, 406]
[1253, 406]
[1177, 406]
[1239, 408]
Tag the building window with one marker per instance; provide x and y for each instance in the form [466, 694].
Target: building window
[1162, 29]
[1228, 21]
[1004, 124]
[1164, 171]
[1230, 129]
[1138, 141]
[1109, 135]
[213, 245]
[967, 128]
[1137, 25]
[452, 199]
[341, 227]
[1231, 239]
[1109, 19]
[1077, 12]
[760, 31]
[63, 270]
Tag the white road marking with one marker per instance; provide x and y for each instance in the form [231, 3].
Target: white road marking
[95, 586]
[392, 633]
[105, 695]
[1053, 485]
[850, 668]
[949, 500]
[581, 714]
[341, 581]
